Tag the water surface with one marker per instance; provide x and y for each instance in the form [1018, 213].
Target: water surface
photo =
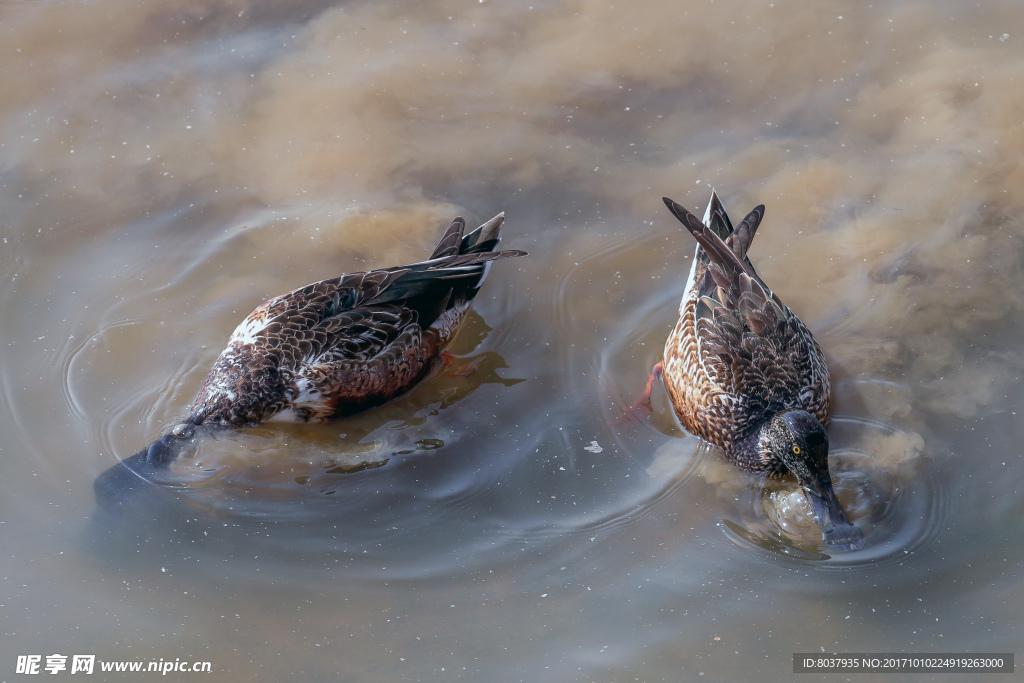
[165, 167]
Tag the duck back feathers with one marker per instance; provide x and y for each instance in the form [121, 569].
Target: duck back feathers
[341, 345]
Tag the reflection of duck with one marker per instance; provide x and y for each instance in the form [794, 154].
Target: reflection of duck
[268, 469]
[745, 374]
[334, 348]
[317, 457]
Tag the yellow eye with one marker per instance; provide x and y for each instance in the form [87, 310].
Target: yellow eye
[796, 450]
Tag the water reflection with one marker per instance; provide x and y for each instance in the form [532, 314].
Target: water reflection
[881, 479]
[270, 470]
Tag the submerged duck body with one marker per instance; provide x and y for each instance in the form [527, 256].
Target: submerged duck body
[744, 373]
[333, 348]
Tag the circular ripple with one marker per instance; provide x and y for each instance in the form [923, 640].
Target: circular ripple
[880, 480]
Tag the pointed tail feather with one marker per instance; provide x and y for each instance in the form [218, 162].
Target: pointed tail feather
[458, 261]
[716, 218]
[740, 240]
[416, 278]
[678, 210]
[484, 238]
[450, 241]
[713, 245]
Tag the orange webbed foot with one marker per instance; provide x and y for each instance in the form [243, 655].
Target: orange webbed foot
[464, 371]
[641, 407]
[467, 370]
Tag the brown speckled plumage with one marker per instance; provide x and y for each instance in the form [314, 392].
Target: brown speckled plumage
[326, 350]
[738, 355]
[342, 345]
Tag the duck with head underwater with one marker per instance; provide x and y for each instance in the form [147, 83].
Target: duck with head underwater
[744, 373]
[327, 350]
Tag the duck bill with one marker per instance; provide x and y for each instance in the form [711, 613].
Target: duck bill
[125, 481]
[836, 528]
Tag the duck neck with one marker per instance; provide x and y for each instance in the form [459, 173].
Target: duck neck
[751, 451]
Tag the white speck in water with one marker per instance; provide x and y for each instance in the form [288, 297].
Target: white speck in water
[593, 447]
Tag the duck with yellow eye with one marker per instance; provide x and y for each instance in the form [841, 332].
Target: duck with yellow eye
[744, 373]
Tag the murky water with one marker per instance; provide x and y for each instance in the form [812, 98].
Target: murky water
[166, 166]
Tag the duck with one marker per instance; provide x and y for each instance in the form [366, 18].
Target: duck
[745, 374]
[330, 349]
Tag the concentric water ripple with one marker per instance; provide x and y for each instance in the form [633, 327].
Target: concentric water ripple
[882, 479]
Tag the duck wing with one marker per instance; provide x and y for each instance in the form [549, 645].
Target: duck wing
[751, 344]
[366, 312]
[360, 313]
[342, 344]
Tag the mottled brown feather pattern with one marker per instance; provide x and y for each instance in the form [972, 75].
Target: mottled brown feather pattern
[336, 347]
[738, 355]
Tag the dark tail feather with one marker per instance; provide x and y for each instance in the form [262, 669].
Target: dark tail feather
[678, 210]
[450, 241]
[463, 270]
[485, 238]
[718, 220]
[714, 246]
[482, 240]
[744, 235]
[716, 217]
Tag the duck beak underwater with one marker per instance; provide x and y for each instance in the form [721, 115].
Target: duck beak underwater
[836, 528]
[809, 464]
[121, 483]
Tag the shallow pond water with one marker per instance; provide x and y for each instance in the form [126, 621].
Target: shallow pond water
[165, 167]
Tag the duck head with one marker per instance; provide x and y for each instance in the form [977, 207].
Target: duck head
[798, 440]
[120, 484]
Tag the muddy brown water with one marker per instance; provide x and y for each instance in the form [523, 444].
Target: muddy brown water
[166, 166]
